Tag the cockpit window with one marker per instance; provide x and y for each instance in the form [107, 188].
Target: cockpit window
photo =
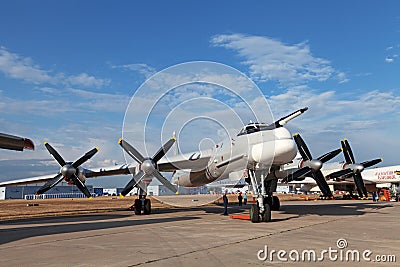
[255, 127]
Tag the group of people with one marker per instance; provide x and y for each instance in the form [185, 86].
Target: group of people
[242, 199]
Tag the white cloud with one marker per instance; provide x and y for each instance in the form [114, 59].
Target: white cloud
[143, 69]
[389, 59]
[23, 68]
[393, 53]
[327, 104]
[63, 101]
[341, 76]
[86, 80]
[100, 101]
[270, 59]
[369, 120]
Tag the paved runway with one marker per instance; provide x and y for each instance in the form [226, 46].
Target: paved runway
[203, 237]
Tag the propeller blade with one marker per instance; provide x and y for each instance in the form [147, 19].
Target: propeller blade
[322, 184]
[345, 153]
[85, 157]
[134, 181]
[349, 151]
[340, 173]
[360, 185]
[131, 151]
[50, 184]
[297, 174]
[164, 149]
[164, 181]
[302, 147]
[55, 154]
[330, 155]
[370, 163]
[81, 186]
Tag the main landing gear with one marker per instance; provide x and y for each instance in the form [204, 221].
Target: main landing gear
[142, 204]
[266, 201]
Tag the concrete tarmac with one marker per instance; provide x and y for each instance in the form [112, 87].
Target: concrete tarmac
[201, 236]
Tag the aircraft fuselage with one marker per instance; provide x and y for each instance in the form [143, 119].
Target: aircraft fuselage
[250, 150]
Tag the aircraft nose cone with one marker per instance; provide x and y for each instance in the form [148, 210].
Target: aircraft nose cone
[282, 133]
[148, 166]
[67, 170]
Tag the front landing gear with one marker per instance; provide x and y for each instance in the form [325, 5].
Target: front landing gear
[261, 210]
[138, 206]
[254, 213]
[266, 216]
[142, 203]
[147, 207]
[258, 214]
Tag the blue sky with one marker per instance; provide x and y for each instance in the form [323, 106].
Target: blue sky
[69, 68]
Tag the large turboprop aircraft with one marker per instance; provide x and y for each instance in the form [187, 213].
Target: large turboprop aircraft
[258, 149]
[15, 142]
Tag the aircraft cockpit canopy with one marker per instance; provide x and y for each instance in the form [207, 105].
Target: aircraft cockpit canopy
[255, 127]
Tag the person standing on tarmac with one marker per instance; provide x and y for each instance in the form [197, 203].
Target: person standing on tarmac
[240, 198]
[225, 199]
[245, 198]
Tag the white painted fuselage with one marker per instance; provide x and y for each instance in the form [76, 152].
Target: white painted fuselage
[248, 150]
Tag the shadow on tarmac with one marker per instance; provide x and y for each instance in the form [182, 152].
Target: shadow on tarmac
[81, 223]
[19, 233]
[331, 209]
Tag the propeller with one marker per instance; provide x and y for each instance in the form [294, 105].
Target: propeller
[148, 166]
[68, 171]
[354, 169]
[312, 166]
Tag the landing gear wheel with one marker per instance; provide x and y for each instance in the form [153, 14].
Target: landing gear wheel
[138, 207]
[147, 207]
[276, 204]
[266, 216]
[254, 213]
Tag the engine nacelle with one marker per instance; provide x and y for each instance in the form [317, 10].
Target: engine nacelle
[190, 179]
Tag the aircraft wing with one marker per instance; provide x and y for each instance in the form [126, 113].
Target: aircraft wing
[184, 161]
[30, 180]
[189, 161]
[88, 173]
[110, 171]
[192, 161]
[15, 142]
